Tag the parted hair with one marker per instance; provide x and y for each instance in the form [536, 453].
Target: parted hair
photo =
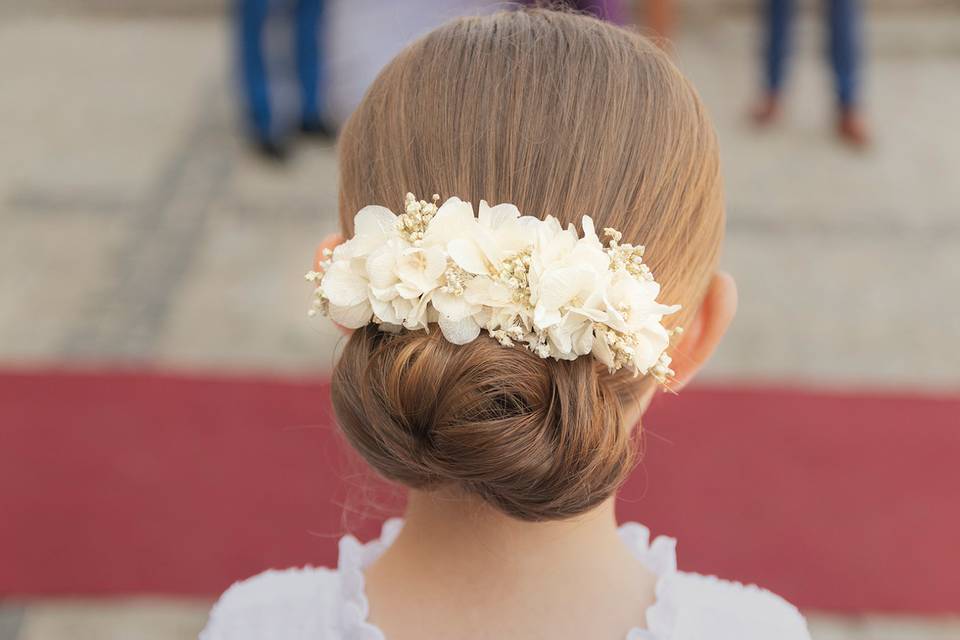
[560, 114]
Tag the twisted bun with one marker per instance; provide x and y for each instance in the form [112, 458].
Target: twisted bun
[537, 438]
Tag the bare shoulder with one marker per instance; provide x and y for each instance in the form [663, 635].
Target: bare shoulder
[696, 606]
[289, 603]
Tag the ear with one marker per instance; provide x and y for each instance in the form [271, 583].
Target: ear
[329, 243]
[703, 334]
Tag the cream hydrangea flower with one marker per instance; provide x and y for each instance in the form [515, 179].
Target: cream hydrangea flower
[523, 280]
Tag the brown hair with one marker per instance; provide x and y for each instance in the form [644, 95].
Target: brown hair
[559, 114]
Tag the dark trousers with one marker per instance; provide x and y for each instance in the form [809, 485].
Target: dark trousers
[251, 18]
[843, 20]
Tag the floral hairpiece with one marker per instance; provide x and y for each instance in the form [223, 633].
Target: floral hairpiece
[521, 279]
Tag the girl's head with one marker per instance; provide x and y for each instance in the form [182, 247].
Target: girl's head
[563, 115]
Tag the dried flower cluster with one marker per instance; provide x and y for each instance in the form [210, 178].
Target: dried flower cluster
[523, 280]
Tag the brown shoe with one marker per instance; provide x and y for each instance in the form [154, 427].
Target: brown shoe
[766, 111]
[852, 129]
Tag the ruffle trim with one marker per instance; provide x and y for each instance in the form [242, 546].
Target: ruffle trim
[354, 557]
[660, 557]
[664, 617]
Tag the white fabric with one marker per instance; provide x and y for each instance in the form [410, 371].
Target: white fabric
[330, 604]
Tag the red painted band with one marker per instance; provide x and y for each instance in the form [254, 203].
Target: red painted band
[123, 482]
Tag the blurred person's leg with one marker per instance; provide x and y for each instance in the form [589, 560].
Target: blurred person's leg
[251, 19]
[843, 17]
[777, 19]
[310, 64]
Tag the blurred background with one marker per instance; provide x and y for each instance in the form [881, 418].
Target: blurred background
[167, 167]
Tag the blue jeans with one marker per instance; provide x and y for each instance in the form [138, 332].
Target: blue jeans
[251, 20]
[843, 18]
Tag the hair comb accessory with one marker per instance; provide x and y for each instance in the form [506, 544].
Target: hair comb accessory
[523, 280]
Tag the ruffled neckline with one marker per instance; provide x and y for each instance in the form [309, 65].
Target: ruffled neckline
[659, 556]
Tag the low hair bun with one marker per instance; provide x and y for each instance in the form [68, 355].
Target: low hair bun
[538, 439]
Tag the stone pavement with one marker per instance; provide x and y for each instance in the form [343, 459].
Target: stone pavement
[137, 230]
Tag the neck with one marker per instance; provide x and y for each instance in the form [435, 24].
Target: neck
[442, 523]
[457, 554]
[451, 534]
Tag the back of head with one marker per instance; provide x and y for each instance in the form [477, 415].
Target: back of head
[560, 114]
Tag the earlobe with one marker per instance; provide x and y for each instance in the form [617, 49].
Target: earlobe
[704, 332]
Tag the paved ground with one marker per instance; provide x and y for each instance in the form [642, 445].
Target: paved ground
[136, 229]
[121, 168]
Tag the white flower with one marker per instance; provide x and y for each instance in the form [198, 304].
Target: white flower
[346, 291]
[419, 271]
[559, 288]
[631, 303]
[381, 268]
[477, 245]
[505, 230]
[571, 337]
[524, 280]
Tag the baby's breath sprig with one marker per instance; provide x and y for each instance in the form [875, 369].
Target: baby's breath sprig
[626, 256]
[661, 371]
[319, 304]
[412, 224]
[455, 279]
[624, 347]
[509, 336]
[512, 272]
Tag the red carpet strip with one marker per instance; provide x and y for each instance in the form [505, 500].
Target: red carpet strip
[121, 483]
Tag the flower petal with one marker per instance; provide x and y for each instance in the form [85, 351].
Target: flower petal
[497, 216]
[459, 331]
[487, 292]
[452, 220]
[583, 339]
[375, 221]
[601, 351]
[468, 256]
[421, 268]
[381, 267]
[343, 286]
[453, 307]
[559, 286]
[352, 317]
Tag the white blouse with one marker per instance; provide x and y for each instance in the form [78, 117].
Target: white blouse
[330, 604]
